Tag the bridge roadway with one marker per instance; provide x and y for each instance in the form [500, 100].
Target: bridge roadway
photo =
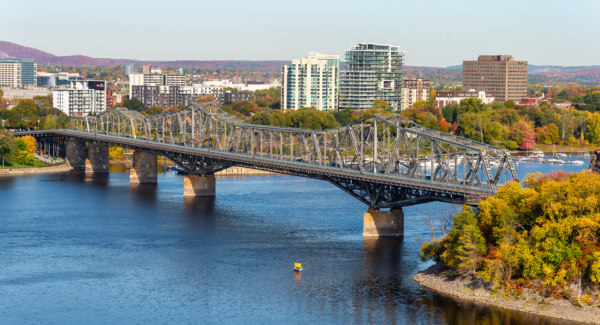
[204, 140]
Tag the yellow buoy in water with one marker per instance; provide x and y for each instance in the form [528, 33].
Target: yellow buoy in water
[298, 267]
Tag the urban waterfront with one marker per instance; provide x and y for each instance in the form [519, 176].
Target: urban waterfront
[86, 249]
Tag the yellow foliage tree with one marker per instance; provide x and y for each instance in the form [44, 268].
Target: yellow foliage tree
[31, 143]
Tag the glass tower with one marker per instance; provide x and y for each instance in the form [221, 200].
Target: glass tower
[374, 72]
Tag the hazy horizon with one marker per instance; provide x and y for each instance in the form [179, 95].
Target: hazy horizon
[433, 34]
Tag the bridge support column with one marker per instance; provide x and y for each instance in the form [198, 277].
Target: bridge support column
[143, 169]
[383, 223]
[195, 185]
[75, 153]
[98, 158]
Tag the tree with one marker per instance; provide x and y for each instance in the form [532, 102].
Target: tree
[509, 103]
[472, 105]
[8, 146]
[134, 104]
[524, 135]
[30, 143]
[381, 105]
[593, 129]
[49, 123]
[420, 104]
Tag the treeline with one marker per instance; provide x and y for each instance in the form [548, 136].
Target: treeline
[33, 114]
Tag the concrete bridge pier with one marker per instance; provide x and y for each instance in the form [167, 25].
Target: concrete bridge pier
[144, 168]
[383, 223]
[75, 153]
[195, 185]
[97, 161]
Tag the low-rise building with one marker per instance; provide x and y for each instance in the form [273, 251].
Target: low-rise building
[535, 101]
[229, 97]
[11, 93]
[414, 90]
[58, 79]
[168, 96]
[453, 98]
[82, 98]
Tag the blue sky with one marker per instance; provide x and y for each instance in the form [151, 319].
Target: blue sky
[432, 32]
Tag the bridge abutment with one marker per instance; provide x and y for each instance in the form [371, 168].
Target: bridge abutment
[383, 223]
[97, 161]
[75, 153]
[143, 169]
[195, 185]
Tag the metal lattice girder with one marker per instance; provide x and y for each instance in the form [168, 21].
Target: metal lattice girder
[382, 144]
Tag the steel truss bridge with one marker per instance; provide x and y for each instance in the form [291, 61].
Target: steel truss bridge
[383, 161]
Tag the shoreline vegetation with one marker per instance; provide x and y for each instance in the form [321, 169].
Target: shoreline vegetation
[533, 247]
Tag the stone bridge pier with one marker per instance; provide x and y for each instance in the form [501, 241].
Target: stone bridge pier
[97, 161]
[379, 223]
[75, 153]
[144, 168]
[196, 185]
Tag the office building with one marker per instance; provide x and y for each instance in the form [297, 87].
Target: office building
[311, 82]
[374, 72]
[499, 74]
[18, 72]
[414, 90]
[453, 98]
[168, 96]
[82, 98]
[129, 69]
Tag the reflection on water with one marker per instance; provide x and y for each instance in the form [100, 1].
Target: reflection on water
[84, 248]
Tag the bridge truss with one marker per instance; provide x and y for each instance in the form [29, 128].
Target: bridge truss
[383, 145]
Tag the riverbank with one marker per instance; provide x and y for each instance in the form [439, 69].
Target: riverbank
[479, 292]
[31, 171]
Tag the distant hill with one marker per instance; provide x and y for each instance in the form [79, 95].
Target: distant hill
[40, 57]
[540, 74]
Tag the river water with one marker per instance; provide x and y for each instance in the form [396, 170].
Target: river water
[76, 249]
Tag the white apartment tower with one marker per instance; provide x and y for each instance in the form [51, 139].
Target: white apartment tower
[311, 82]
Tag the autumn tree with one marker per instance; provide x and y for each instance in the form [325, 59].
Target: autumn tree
[593, 128]
[524, 135]
[30, 143]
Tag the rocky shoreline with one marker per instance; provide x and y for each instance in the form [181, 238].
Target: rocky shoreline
[479, 292]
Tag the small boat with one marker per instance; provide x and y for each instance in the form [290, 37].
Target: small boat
[555, 161]
[526, 159]
[577, 162]
[537, 154]
[560, 155]
[298, 267]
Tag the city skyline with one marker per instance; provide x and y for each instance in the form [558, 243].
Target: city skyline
[443, 35]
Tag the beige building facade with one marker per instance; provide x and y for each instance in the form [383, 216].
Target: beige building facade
[498, 74]
[414, 90]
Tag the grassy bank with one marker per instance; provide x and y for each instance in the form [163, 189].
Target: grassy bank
[16, 165]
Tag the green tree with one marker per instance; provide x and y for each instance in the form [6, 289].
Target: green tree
[472, 105]
[8, 146]
[509, 103]
[134, 104]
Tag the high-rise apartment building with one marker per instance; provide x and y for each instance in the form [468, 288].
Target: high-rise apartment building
[311, 82]
[155, 79]
[414, 90]
[84, 97]
[499, 74]
[374, 72]
[18, 72]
